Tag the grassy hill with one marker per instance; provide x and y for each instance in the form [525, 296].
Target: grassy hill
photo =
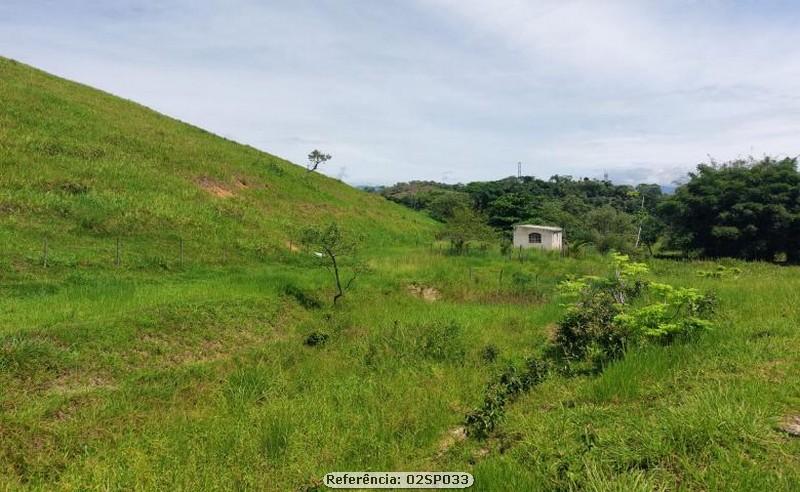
[160, 376]
[82, 168]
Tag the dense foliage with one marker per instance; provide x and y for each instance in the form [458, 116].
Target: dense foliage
[590, 210]
[745, 208]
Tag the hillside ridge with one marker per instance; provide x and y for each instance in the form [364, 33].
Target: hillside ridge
[80, 165]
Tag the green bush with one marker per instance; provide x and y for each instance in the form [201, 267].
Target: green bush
[489, 353]
[606, 316]
[316, 338]
[483, 420]
[506, 246]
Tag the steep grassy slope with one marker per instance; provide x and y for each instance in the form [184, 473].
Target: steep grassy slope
[82, 167]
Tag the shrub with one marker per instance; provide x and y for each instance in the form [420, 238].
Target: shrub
[316, 338]
[506, 247]
[677, 312]
[489, 353]
[605, 316]
[608, 315]
[587, 330]
[483, 420]
[521, 279]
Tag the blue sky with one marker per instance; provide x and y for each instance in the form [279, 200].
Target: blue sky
[453, 90]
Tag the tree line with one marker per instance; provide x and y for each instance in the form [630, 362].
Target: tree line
[746, 208]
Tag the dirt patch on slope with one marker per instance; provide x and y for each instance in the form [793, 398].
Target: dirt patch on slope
[791, 425]
[214, 187]
[429, 294]
[453, 437]
[73, 384]
[242, 182]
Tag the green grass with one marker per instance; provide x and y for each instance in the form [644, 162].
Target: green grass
[157, 376]
[83, 168]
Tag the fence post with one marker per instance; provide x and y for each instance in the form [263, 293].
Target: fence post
[45, 253]
[116, 258]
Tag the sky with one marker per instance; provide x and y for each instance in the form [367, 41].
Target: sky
[445, 90]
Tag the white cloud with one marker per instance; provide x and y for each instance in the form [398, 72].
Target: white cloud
[462, 88]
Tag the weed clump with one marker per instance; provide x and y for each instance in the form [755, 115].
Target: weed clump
[720, 272]
[513, 381]
[302, 297]
[443, 342]
[316, 338]
[489, 353]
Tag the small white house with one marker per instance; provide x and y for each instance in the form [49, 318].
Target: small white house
[536, 236]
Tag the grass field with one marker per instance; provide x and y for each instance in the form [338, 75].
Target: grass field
[200, 379]
[157, 375]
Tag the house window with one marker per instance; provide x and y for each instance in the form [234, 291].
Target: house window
[535, 238]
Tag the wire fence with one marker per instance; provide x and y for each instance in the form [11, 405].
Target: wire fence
[180, 252]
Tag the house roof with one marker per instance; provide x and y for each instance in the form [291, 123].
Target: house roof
[544, 228]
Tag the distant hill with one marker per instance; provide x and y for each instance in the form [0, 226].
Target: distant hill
[81, 167]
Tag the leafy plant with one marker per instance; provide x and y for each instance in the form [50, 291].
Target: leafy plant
[606, 315]
[444, 342]
[506, 246]
[489, 353]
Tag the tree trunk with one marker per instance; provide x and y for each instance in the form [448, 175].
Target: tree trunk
[339, 291]
[641, 221]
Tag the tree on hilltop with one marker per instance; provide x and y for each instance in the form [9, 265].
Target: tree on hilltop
[315, 158]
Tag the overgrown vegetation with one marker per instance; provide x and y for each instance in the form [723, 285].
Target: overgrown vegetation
[605, 318]
[589, 210]
[745, 208]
